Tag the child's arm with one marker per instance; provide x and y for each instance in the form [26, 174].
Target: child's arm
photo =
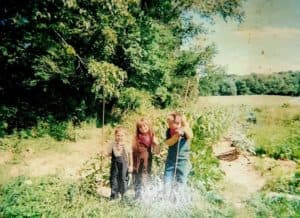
[172, 141]
[155, 141]
[108, 152]
[188, 132]
[155, 147]
[133, 144]
[130, 161]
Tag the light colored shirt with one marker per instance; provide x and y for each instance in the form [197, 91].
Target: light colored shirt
[118, 149]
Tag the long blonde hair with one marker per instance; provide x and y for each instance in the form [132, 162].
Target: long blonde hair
[141, 122]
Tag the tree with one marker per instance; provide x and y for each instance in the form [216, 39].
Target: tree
[48, 50]
[242, 88]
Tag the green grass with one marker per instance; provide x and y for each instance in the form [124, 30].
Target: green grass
[45, 137]
[277, 132]
[264, 206]
[17, 148]
[52, 197]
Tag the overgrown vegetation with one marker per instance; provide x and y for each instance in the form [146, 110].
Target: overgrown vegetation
[264, 206]
[64, 58]
[30, 197]
[50, 196]
[277, 132]
[25, 196]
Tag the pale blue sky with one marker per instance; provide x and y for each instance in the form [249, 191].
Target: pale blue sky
[267, 41]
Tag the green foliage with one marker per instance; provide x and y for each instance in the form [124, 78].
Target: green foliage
[53, 197]
[57, 57]
[216, 82]
[131, 99]
[6, 114]
[108, 77]
[290, 184]
[48, 134]
[210, 79]
[277, 133]
[207, 128]
[73, 199]
[58, 130]
[26, 198]
[47, 196]
[162, 98]
[264, 206]
[242, 88]
[187, 64]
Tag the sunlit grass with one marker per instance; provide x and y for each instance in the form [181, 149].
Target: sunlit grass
[277, 132]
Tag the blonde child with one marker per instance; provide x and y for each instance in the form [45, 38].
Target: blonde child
[121, 163]
[178, 135]
[143, 144]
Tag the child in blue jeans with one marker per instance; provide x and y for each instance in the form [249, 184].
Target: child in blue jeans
[178, 135]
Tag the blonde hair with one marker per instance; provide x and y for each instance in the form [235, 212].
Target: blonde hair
[120, 129]
[176, 116]
[141, 122]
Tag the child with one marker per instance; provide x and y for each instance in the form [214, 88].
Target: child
[179, 135]
[121, 163]
[143, 144]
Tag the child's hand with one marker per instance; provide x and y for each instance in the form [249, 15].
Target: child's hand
[130, 169]
[180, 132]
[173, 140]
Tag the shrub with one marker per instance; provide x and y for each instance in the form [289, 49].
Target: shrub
[131, 99]
[162, 97]
[265, 206]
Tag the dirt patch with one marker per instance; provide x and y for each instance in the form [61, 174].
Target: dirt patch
[66, 164]
[5, 156]
[240, 177]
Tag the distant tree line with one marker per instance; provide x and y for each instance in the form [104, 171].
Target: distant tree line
[281, 83]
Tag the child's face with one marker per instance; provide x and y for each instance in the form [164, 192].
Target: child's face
[174, 124]
[144, 128]
[119, 137]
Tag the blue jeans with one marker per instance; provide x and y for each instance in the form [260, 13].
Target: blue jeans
[177, 166]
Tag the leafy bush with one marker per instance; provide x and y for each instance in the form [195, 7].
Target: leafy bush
[6, 115]
[59, 130]
[162, 97]
[207, 128]
[131, 99]
[265, 206]
[260, 151]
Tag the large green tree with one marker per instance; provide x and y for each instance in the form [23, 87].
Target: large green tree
[57, 56]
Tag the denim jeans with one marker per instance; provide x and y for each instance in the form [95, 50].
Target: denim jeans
[177, 166]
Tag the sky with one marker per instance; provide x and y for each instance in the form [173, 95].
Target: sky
[267, 41]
